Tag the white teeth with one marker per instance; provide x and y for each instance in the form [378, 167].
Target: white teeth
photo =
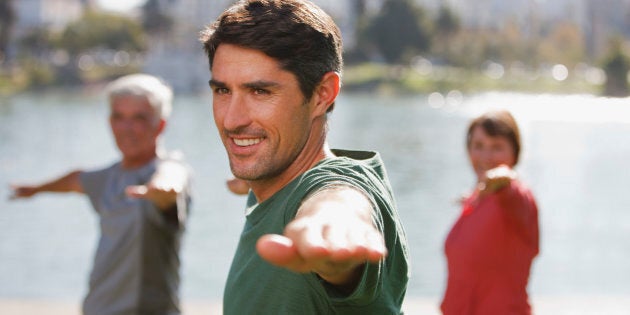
[246, 142]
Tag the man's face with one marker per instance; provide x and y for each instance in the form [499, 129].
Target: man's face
[135, 128]
[260, 112]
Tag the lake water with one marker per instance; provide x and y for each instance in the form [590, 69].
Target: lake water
[575, 157]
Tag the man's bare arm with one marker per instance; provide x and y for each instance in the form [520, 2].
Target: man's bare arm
[66, 183]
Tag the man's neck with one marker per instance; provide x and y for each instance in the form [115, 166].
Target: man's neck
[137, 162]
[264, 189]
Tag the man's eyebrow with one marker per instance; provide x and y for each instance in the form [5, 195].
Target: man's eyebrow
[250, 85]
[213, 82]
[261, 84]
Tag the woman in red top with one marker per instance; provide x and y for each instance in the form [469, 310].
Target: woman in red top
[490, 248]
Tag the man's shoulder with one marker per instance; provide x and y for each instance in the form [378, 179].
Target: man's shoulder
[355, 168]
[347, 161]
[95, 171]
[356, 155]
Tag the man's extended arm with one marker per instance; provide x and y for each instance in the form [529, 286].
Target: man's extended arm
[67, 183]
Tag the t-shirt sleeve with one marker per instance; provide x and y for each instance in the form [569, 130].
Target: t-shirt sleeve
[93, 183]
[521, 211]
[357, 178]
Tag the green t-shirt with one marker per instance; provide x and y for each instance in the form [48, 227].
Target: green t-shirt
[257, 287]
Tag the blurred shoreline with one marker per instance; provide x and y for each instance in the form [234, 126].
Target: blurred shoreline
[542, 305]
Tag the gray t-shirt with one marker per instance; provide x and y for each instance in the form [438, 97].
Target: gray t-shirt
[136, 265]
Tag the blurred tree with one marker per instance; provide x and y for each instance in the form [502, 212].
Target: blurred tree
[616, 65]
[87, 4]
[7, 20]
[447, 22]
[36, 43]
[515, 45]
[103, 30]
[564, 44]
[398, 32]
[359, 7]
[154, 20]
[447, 26]
[34, 56]
[98, 31]
[360, 52]
[466, 49]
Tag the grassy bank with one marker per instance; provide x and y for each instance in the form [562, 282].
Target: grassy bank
[381, 78]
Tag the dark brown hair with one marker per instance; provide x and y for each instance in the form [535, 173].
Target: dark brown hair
[498, 123]
[298, 34]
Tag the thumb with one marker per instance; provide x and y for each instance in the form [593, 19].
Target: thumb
[280, 251]
[138, 191]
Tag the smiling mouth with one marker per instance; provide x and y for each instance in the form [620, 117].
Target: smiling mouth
[247, 142]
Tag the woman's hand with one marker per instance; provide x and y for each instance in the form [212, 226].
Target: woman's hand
[495, 179]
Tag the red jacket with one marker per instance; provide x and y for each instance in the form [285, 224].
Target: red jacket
[489, 252]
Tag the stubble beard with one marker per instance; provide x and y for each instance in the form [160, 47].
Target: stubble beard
[264, 169]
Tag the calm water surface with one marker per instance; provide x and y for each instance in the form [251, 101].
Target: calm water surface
[575, 158]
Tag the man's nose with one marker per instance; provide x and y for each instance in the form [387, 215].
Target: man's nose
[237, 114]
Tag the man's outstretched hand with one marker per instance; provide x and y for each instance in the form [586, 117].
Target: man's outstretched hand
[332, 235]
[168, 181]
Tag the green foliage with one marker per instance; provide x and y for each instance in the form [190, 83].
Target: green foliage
[83, 52]
[7, 21]
[447, 22]
[402, 31]
[154, 20]
[616, 65]
[384, 79]
[103, 30]
[446, 28]
[399, 32]
[33, 73]
[36, 42]
[564, 43]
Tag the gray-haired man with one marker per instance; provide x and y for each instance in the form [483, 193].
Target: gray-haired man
[142, 202]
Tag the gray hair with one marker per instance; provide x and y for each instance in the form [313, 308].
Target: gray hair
[157, 92]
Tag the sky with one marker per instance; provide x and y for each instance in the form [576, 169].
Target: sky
[119, 5]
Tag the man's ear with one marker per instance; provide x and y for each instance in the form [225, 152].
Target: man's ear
[161, 126]
[326, 92]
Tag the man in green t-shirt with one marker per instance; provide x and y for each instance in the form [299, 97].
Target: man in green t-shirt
[322, 234]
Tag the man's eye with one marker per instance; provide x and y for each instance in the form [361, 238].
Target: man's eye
[260, 91]
[221, 90]
[141, 118]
